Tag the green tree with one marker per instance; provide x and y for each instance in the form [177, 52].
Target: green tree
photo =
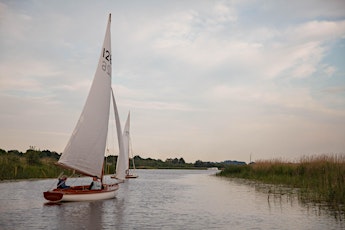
[15, 152]
[175, 161]
[32, 157]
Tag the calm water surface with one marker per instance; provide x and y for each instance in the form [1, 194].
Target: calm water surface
[164, 199]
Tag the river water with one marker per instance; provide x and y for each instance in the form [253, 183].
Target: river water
[165, 199]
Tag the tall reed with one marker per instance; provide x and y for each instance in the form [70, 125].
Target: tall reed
[320, 177]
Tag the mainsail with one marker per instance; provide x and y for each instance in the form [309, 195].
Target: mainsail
[126, 139]
[85, 149]
[121, 159]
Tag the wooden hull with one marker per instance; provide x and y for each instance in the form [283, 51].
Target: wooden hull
[81, 193]
[130, 176]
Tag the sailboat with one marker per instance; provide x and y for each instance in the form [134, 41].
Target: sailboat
[85, 150]
[127, 148]
[122, 164]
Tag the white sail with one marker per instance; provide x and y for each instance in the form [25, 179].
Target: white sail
[121, 159]
[126, 139]
[86, 147]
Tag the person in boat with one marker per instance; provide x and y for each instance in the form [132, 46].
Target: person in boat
[96, 184]
[62, 182]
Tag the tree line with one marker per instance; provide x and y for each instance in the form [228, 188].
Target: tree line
[41, 164]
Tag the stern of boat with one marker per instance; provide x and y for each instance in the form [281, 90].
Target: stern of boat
[53, 196]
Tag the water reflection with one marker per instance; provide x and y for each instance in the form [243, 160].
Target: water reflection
[167, 199]
[279, 196]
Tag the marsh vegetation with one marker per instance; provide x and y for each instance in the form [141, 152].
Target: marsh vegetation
[318, 178]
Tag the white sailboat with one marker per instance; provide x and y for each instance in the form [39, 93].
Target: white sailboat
[122, 164]
[85, 150]
[127, 149]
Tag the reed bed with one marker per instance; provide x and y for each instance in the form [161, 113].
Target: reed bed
[319, 178]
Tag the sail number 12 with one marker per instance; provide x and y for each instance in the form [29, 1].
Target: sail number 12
[106, 64]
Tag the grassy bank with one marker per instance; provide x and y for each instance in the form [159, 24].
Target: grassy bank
[320, 178]
[15, 165]
[12, 168]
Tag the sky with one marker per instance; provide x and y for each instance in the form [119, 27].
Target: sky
[204, 80]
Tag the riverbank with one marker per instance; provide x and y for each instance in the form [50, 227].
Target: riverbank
[319, 178]
[15, 165]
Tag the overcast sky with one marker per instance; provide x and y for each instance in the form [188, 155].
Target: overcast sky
[204, 80]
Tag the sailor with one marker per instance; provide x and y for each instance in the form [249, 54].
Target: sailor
[96, 184]
[62, 182]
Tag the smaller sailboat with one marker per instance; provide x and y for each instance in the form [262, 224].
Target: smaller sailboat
[128, 150]
[85, 150]
[122, 164]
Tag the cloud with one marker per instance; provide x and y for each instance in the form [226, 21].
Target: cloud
[297, 102]
[293, 51]
[210, 80]
[318, 31]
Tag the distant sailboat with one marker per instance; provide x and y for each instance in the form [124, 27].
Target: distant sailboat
[122, 164]
[127, 148]
[85, 150]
